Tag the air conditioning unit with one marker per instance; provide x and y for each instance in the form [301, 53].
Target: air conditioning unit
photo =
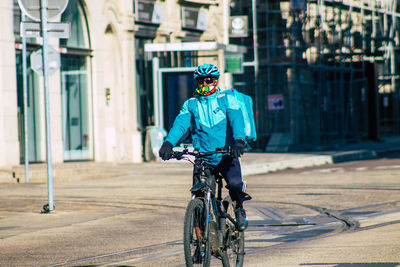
[194, 19]
[148, 12]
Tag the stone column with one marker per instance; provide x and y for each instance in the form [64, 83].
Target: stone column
[130, 131]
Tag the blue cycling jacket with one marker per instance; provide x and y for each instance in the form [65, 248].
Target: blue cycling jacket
[215, 123]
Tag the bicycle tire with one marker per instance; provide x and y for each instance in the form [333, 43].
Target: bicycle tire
[197, 248]
[233, 255]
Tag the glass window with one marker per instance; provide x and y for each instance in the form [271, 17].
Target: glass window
[75, 102]
[33, 103]
[33, 110]
[75, 86]
[74, 15]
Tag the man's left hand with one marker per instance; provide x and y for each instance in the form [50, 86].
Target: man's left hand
[238, 148]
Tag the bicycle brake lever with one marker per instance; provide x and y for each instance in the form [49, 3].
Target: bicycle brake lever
[178, 155]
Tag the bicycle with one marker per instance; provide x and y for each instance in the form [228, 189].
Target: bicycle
[209, 229]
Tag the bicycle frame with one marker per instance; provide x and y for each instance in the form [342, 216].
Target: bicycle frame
[213, 209]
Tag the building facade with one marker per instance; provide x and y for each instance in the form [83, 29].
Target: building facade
[102, 96]
[321, 73]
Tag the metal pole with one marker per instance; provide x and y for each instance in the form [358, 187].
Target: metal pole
[43, 16]
[25, 85]
[255, 38]
[394, 69]
[225, 19]
[257, 86]
[156, 93]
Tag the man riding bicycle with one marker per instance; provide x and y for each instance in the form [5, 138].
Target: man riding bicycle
[214, 126]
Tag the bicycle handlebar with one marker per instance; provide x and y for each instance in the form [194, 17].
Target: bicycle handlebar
[179, 154]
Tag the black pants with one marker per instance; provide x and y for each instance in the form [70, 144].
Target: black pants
[230, 169]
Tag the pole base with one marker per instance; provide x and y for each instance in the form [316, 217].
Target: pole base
[46, 209]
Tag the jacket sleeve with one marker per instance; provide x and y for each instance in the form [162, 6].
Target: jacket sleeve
[181, 125]
[235, 118]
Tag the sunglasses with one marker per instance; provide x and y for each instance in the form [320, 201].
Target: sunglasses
[207, 80]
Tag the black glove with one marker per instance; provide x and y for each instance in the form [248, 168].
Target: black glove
[165, 151]
[238, 148]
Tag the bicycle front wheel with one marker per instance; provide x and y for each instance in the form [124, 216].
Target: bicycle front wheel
[195, 240]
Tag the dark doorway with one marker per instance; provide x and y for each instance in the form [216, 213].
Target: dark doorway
[373, 111]
[177, 88]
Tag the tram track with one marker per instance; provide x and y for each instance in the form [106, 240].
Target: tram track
[168, 249]
[268, 236]
[111, 255]
[260, 237]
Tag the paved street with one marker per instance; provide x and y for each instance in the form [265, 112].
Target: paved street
[364, 194]
[345, 214]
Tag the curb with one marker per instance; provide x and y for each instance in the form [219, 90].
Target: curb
[255, 166]
[261, 168]
[353, 155]
[311, 161]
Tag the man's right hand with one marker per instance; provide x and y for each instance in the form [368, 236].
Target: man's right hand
[165, 151]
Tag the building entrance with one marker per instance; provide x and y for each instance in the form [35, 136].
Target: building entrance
[75, 115]
[176, 86]
[173, 81]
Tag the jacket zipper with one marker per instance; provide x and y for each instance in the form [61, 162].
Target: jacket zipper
[209, 106]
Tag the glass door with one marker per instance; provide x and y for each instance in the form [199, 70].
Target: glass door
[33, 112]
[75, 115]
[177, 85]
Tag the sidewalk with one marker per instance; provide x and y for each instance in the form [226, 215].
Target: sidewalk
[252, 163]
[259, 163]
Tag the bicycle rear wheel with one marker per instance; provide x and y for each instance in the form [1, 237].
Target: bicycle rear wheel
[195, 241]
[233, 253]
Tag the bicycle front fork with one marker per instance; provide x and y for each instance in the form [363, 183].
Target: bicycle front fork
[207, 206]
[206, 215]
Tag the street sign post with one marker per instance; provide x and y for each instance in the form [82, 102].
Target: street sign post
[37, 62]
[55, 30]
[40, 10]
[43, 17]
[32, 8]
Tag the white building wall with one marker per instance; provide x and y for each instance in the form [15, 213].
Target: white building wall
[111, 27]
[9, 145]
[132, 137]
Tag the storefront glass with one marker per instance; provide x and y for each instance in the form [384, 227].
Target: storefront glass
[75, 86]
